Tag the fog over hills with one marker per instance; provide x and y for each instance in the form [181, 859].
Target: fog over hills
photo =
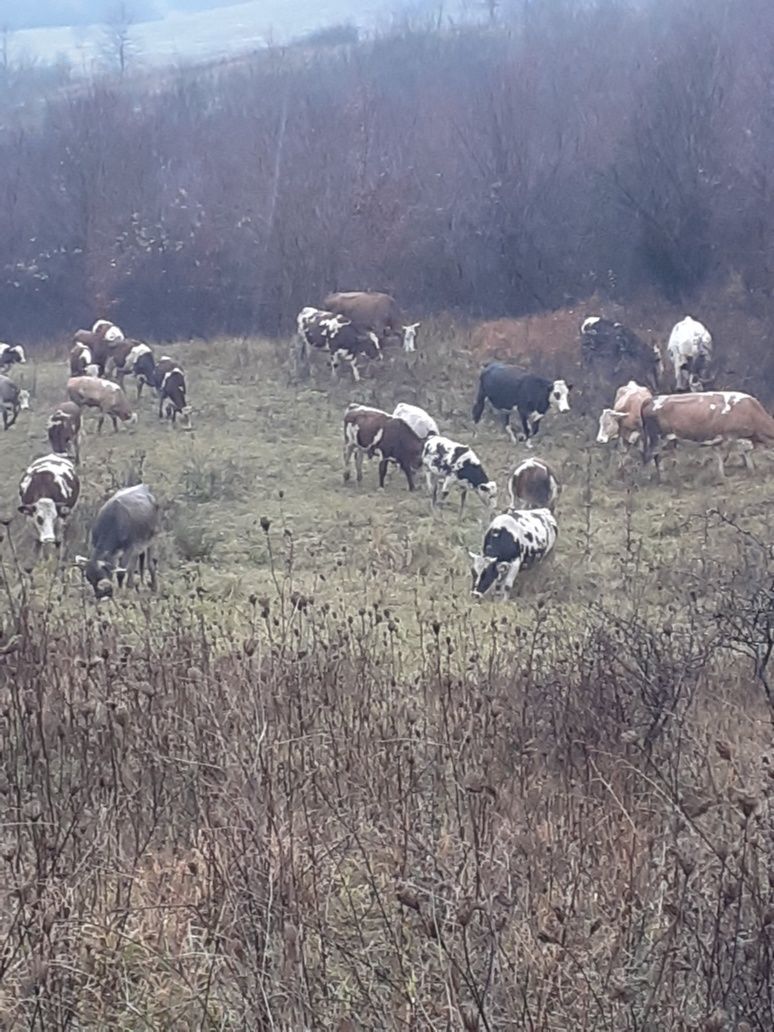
[167, 31]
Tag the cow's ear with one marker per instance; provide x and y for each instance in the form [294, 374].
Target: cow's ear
[26, 510]
[81, 561]
[569, 387]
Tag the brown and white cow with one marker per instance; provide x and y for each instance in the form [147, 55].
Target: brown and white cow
[107, 330]
[374, 311]
[709, 418]
[535, 484]
[47, 493]
[370, 431]
[623, 422]
[64, 430]
[170, 384]
[336, 335]
[132, 358]
[104, 395]
[13, 400]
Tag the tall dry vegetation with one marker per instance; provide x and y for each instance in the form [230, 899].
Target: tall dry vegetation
[321, 821]
[569, 148]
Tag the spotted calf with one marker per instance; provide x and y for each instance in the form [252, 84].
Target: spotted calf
[448, 463]
[513, 541]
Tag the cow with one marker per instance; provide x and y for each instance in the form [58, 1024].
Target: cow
[507, 388]
[121, 535]
[340, 337]
[13, 400]
[534, 483]
[170, 385]
[81, 362]
[619, 350]
[376, 312]
[107, 330]
[98, 353]
[420, 422]
[370, 431]
[623, 422]
[513, 541]
[690, 352]
[10, 354]
[709, 418]
[94, 392]
[133, 358]
[448, 463]
[64, 430]
[47, 492]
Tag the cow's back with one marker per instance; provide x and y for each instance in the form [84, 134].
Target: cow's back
[129, 516]
[372, 310]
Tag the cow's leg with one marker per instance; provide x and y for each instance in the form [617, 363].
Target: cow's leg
[161, 406]
[115, 423]
[509, 428]
[348, 452]
[141, 566]
[721, 463]
[747, 455]
[352, 359]
[382, 471]
[409, 476]
[463, 496]
[432, 483]
[446, 486]
[174, 415]
[510, 578]
[524, 425]
[359, 464]
[100, 422]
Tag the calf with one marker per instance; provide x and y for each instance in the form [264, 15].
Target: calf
[420, 422]
[712, 419]
[133, 358]
[338, 336]
[13, 400]
[369, 431]
[448, 463]
[690, 352]
[94, 392]
[10, 354]
[47, 492]
[623, 422]
[64, 430]
[508, 388]
[514, 540]
[122, 534]
[534, 483]
[170, 384]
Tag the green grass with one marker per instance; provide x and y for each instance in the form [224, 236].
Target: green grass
[265, 446]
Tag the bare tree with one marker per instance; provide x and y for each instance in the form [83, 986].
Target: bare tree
[118, 46]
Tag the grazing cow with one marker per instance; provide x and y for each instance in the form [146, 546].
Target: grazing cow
[624, 420]
[376, 312]
[690, 352]
[369, 431]
[711, 418]
[338, 336]
[420, 422]
[10, 354]
[514, 540]
[170, 384]
[133, 358]
[47, 492]
[107, 330]
[121, 535]
[619, 350]
[94, 392]
[12, 401]
[507, 388]
[448, 463]
[64, 430]
[534, 483]
[81, 362]
[98, 353]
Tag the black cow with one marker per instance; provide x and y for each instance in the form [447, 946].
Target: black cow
[507, 388]
[620, 351]
[122, 534]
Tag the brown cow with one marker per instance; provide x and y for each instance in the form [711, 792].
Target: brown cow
[534, 483]
[369, 431]
[711, 418]
[93, 392]
[64, 430]
[624, 420]
[373, 311]
[47, 493]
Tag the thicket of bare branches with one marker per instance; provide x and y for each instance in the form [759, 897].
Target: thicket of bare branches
[569, 147]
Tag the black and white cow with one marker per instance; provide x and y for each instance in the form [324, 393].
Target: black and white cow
[10, 354]
[336, 335]
[12, 401]
[48, 491]
[64, 430]
[513, 541]
[133, 358]
[619, 353]
[170, 385]
[447, 463]
[122, 534]
[507, 388]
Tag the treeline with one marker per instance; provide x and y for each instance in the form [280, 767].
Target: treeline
[569, 147]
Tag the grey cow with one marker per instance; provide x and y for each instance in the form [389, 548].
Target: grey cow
[12, 400]
[122, 534]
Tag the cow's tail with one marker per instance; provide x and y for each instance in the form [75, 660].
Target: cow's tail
[478, 405]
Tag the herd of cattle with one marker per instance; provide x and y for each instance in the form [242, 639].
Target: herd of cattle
[353, 325]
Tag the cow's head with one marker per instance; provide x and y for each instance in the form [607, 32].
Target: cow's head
[16, 354]
[609, 425]
[45, 515]
[24, 399]
[410, 336]
[485, 572]
[560, 395]
[130, 419]
[99, 573]
[487, 492]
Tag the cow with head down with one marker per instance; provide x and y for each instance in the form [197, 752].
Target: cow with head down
[616, 352]
[514, 541]
[690, 352]
[374, 311]
[121, 537]
[339, 337]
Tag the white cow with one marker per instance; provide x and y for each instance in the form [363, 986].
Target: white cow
[690, 352]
